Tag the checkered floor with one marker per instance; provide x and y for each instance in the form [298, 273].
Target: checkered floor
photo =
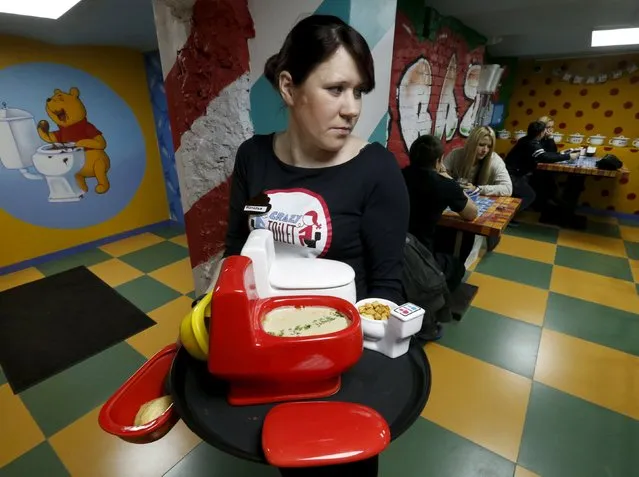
[541, 377]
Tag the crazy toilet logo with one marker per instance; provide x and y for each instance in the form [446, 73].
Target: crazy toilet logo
[298, 219]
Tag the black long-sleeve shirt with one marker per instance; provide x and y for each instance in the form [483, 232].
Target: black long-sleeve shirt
[526, 154]
[355, 212]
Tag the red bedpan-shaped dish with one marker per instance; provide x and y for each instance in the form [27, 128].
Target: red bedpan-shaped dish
[148, 383]
[316, 433]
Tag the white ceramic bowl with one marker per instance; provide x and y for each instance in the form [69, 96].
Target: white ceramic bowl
[370, 326]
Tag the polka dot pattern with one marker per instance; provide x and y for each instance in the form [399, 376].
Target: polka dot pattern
[609, 109]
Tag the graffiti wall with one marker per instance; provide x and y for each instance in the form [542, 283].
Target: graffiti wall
[434, 79]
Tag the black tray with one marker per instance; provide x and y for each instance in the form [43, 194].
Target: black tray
[396, 388]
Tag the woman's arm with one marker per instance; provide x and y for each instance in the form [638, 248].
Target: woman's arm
[238, 230]
[384, 230]
[500, 185]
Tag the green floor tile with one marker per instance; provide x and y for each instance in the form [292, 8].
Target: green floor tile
[69, 395]
[632, 250]
[567, 437]
[607, 265]
[207, 461]
[521, 270]
[507, 343]
[86, 258]
[534, 232]
[156, 256]
[592, 322]
[602, 228]
[170, 231]
[3, 378]
[147, 293]
[191, 295]
[629, 222]
[427, 449]
[39, 461]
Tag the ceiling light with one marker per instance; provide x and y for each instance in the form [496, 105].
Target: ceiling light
[52, 9]
[618, 37]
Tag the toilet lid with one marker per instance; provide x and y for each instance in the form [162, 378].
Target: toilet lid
[309, 273]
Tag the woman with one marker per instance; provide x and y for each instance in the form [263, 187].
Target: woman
[477, 164]
[547, 142]
[331, 193]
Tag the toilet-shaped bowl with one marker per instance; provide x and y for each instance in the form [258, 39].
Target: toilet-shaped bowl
[50, 160]
[264, 368]
[149, 382]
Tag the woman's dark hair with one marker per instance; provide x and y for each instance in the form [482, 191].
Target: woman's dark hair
[311, 42]
[425, 152]
[536, 128]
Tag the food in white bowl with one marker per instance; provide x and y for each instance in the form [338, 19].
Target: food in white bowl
[375, 309]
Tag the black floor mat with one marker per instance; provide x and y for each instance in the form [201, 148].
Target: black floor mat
[51, 324]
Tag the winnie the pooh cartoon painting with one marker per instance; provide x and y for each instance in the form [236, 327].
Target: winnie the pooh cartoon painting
[68, 112]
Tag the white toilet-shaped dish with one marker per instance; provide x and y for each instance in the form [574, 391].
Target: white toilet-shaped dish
[391, 337]
[59, 166]
[285, 276]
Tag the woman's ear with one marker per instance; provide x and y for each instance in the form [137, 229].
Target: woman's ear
[287, 88]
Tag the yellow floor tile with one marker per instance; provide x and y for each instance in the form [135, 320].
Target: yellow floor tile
[131, 244]
[634, 266]
[526, 248]
[494, 416]
[521, 472]
[168, 318]
[515, 300]
[87, 451]
[175, 309]
[631, 234]
[115, 272]
[598, 374]
[592, 243]
[178, 275]
[11, 280]
[596, 288]
[180, 240]
[20, 433]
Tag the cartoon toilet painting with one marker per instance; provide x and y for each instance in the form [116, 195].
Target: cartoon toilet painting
[73, 153]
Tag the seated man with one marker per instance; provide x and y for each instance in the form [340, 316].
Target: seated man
[431, 191]
[522, 161]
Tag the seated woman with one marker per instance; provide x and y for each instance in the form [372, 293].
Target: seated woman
[431, 190]
[477, 164]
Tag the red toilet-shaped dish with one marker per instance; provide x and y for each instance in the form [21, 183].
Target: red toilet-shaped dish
[313, 434]
[148, 383]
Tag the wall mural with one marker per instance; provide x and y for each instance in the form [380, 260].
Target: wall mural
[72, 153]
[434, 84]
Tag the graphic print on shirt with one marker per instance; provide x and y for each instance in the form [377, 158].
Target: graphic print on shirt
[299, 220]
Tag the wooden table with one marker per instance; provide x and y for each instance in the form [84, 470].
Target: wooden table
[584, 166]
[491, 223]
[577, 170]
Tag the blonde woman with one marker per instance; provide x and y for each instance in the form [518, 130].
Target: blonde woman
[477, 164]
[547, 142]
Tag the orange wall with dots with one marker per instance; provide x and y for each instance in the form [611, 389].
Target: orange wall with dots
[610, 109]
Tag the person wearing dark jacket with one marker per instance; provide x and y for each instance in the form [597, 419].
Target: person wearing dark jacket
[522, 161]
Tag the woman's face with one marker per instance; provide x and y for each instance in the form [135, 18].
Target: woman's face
[550, 129]
[483, 147]
[327, 105]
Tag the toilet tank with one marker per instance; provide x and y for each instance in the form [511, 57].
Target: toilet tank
[19, 138]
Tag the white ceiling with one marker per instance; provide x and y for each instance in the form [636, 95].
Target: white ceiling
[537, 28]
[542, 28]
[127, 23]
